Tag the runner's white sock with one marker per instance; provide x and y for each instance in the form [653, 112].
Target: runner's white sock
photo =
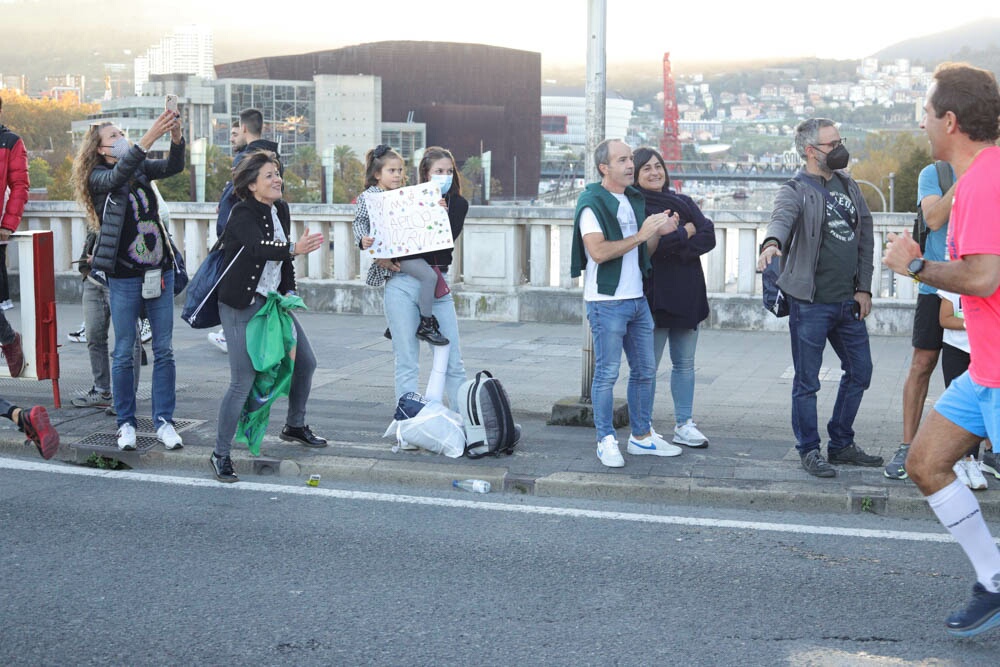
[958, 510]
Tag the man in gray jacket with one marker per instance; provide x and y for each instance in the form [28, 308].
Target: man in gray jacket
[822, 229]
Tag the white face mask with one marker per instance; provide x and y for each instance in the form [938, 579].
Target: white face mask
[443, 180]
[120, 148]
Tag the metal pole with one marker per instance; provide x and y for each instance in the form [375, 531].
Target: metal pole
[892, 191]
[596, 97]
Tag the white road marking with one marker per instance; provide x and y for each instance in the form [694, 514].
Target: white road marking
[254, 487]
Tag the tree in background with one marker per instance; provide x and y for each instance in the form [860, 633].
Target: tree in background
[349, 180]
[306, 163]
[218, 171]
[44, 124]
[38, 173]
[60, 187]
[890, 152]
[472, 175]
[343, 156]
[297, 191]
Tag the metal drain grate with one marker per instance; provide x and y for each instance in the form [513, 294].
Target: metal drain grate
[146, 425]
[109, 441]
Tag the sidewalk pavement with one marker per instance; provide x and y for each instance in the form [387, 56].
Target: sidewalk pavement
[742, 403]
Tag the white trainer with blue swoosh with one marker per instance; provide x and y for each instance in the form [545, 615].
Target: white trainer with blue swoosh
[653, 445]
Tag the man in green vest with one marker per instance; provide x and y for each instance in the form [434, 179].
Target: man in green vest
[609, 243]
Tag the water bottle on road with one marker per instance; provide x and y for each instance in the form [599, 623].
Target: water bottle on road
[473, 485]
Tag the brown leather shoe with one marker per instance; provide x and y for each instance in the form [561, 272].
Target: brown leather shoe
[14, 355]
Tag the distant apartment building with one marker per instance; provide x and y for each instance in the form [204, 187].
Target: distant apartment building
[135, 114]
[187, 50]
[14, 82]
[564, 112]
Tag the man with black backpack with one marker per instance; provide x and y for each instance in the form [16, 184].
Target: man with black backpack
[935, 191]
[822, 228]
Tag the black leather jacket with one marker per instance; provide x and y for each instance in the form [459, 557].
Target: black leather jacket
[109, 187]
[251, 227]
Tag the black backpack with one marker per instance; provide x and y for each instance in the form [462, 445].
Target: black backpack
[946, 179]
[489, 423]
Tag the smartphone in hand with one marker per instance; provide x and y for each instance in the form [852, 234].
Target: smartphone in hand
[171, 104]
[856, 310]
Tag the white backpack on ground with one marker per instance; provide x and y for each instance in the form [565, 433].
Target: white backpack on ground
[489, 423]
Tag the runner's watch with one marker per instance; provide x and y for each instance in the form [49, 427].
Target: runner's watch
[915, 267]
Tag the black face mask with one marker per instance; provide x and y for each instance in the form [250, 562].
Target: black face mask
[838, 158]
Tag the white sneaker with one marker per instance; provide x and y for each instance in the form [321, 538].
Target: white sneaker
[168, 436]
[962, 473]
[608, 452]
[145, 331]
[126, 437]
[651, 444]
[688, 434]
[218, 339]
[80, 335]
[976, 480]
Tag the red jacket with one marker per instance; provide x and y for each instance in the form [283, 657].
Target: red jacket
[13, 175]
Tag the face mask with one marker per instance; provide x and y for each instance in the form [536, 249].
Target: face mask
[838, 158]
[120, 148]
[443, 180]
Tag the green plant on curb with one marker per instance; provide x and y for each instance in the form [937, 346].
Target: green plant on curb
[102, 462]
[866, 504]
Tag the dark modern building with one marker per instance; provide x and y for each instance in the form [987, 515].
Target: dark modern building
[472, 97]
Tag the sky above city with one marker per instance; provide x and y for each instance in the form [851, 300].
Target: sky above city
[636, 29]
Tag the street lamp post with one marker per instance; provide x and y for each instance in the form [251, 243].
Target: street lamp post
[328, 163]
[876, 189]
[569, 410]
[199, 149]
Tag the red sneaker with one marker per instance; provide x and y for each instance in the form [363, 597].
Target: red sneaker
[14, 355]
[36, 425]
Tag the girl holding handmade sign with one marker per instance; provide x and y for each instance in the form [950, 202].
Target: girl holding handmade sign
[384, 170]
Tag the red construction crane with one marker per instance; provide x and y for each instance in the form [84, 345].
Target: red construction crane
[670, 143]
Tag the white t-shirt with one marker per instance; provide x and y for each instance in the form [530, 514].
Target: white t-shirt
[630, 282]
[954, 337]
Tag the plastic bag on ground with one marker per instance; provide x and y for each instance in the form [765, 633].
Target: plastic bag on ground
[435, 428]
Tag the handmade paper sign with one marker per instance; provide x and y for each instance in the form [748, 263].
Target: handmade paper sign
[408, 221]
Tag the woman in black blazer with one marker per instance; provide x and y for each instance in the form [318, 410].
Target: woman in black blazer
[257, 238]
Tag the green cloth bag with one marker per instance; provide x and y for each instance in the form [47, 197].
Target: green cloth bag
[271, 345]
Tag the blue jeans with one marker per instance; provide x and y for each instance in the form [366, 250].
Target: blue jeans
[682, 346]
[622, 325]
[126, 302]
[811, 325]
[402, 312]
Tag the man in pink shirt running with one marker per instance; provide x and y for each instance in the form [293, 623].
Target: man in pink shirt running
[962, 121]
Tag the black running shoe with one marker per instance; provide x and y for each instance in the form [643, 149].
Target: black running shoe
[981, 614]
[854, 455]
[813, 463]
[222, 466]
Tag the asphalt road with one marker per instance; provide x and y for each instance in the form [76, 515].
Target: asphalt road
[156, 569]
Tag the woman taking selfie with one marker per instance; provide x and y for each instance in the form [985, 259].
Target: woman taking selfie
[113, 183]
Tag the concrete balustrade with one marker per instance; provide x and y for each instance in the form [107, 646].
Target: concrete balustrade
[512, 263]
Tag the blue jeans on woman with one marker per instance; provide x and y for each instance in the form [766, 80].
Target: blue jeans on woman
[126, 302]
[811, 325]
[682, 346]
[402, 313]
[617, 325]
